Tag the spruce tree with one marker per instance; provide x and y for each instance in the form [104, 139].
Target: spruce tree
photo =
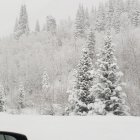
[133, 9]
[51, 25]
[86, 22]
[136, 14]
[80, 23]
[37, 26]
[23, 27]
[21, 97]
[100, 21]
[109, 14]
[45, 88]
[45, 81]
[107, 90]
[80, 96]
[118, 10]
[91, 44]
[2, 99]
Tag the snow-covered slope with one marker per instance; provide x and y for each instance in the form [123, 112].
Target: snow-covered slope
[72, 128]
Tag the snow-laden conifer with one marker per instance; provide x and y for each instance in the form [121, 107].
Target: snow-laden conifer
[51, 26]
[107, 90]
[91, 44]
[2, 99]
[80, 96]
[80, 23]
[21, 97]
[100, 20]
[23, 26]
[46, 102]
[45, 81]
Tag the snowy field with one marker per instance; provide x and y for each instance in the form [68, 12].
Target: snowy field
[72, 128]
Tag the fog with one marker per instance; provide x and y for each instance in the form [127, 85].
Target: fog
[38, 9]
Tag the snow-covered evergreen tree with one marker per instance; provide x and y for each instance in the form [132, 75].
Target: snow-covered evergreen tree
[46, 102]
[135, 18]
[2, 99]
[23, 26]
[133, 10]
[91, 44]
[51, 25]
[80, 96]
[109, 14]
[118, 10]
[21, 97]
[87, 23]
[100, 21]
[80, 23]
[45, 81]
[37, 26]
[107, 90]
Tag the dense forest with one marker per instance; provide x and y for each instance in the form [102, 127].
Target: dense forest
[44, 71]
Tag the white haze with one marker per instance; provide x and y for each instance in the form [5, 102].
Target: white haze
[38, 9]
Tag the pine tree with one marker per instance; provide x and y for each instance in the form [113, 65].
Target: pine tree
[80, 96]
[91, 44]
[46, 100]
[100, 21]
[80, 23]
[135, 15]
[23, 27]
[133, 10]
[86, 22]
[2, 99]
[45, 81]
[107, 90]
[109, 14]
[51, 25]
[37, 26]
[21, 97]
[118, 10]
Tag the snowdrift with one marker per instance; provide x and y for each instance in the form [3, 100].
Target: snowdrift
[72, 128]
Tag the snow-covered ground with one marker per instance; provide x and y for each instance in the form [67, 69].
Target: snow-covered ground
[72, 128]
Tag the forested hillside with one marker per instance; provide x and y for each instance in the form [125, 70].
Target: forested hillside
[38, 68]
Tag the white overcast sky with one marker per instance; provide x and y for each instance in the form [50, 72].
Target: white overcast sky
[38, 9]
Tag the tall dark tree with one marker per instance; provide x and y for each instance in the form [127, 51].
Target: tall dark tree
[23, 26]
